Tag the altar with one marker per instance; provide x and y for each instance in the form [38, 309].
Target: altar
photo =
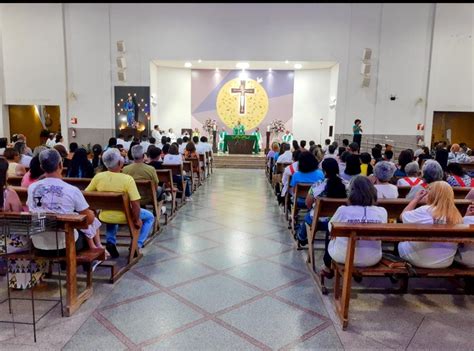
[241, 144]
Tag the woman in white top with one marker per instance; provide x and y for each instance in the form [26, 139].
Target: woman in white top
[465, 254]
[361, 209]
[383, 172]
[174, 158]
[440, 209]
[412, 171]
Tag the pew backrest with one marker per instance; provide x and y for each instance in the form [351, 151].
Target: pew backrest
[459, 192]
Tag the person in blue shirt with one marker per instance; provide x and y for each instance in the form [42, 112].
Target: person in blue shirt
[308, 172]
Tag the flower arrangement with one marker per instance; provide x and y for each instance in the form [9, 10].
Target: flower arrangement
[208, 126]
[277, 126]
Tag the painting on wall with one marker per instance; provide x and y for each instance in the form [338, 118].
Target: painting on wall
[132, 109]
[253, 97]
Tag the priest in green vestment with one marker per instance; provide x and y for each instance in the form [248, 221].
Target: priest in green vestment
[222, 135]
[287, 137]
[239, 129]
[259, 138]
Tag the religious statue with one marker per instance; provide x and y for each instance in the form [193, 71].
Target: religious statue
[222, 135]
[129, 107]
[196, 132]
[287, 137]
[239, 129]
[259, 138]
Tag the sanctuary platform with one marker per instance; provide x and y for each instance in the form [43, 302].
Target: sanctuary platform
[239, 161]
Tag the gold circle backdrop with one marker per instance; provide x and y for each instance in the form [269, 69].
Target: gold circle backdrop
[228, 104]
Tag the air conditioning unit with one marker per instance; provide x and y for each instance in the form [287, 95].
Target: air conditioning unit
[121, 75]
[120, 46]
[365, 68]
[365, 82]
[121, 62]
[367, 54]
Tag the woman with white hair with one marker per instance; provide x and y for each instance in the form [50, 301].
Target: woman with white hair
[412, 171]
[430, 172]
[383, 172]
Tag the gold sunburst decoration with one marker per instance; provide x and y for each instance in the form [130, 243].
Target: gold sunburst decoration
[242, 100]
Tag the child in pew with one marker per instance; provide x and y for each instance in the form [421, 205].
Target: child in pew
[440, 209]
[465, 254]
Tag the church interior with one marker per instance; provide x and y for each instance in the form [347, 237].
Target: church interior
[236, 176]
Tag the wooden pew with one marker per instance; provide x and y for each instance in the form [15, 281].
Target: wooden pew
[393, 232]
[205, 171]
[188, 168]
[300, 191]
[177, 170]
[325, 207]
[165, 176]
[14, 180]
[468, 167]
[72, 259]
[195, 165]
[208, 163]
[114, 202]
[459, 192]
[148, 187]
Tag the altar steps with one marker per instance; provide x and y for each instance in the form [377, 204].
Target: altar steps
[239, 161]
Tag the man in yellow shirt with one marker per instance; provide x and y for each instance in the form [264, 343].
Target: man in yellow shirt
[117, 182]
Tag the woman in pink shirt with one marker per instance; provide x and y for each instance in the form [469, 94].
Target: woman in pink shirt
[34, 174]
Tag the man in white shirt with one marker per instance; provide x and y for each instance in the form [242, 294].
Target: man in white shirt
[286, 157]
[144, 143]
[155, 133]
[127, 142]
[52, 194]
[182, 145]
[120, 140]
[51, 140]
[171, 135]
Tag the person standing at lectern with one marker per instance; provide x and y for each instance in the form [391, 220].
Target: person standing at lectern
[357, 130]
[239, 129]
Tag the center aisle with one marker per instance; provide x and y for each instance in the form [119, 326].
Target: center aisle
[223, 275]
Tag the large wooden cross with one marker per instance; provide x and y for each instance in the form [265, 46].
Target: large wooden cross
[242, 91]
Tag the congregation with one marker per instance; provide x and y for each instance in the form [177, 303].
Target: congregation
[362, 178]
[46, 173]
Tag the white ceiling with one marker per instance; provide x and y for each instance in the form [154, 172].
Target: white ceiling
[274, 65]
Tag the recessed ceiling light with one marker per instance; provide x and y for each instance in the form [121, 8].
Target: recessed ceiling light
[287, 61]
[298, 65]
[199, 60]
[242, 65]
[188, 64]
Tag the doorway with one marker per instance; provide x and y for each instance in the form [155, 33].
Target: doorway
[31, 120]
[453, 127]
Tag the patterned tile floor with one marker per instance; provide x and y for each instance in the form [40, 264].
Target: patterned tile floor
[224, 275]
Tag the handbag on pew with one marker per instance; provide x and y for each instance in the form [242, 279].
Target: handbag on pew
[393, 261]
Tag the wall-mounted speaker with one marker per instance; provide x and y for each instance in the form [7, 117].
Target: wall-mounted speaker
[120, 46]
[365, 68]
[366, 82]
[121, 76]
[121, 62]
[367, 54]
